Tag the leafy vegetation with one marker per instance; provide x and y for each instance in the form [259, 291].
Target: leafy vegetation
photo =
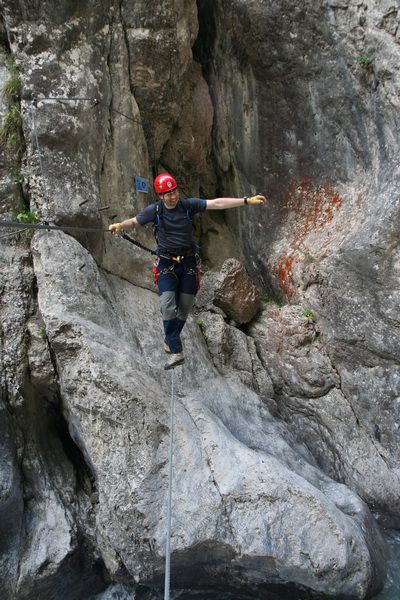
[26, 216]
[308, 259]
[11, 135]
[42, 331]
[266, 298]
[11, 131]
[365, 60]
[309, 315]
[11, 90]
[201, 325]
[15, 173]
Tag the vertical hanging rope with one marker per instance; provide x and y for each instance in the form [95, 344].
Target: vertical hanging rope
[169, 496]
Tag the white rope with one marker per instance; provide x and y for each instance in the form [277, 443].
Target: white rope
[169, 497]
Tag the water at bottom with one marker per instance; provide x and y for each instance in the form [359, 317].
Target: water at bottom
[391, 591]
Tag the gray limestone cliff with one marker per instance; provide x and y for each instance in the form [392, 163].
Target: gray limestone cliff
[287, 412]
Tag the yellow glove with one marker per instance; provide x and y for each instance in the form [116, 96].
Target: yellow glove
[115, 228]
[255, 199]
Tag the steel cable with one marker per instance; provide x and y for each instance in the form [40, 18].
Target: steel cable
[169, 495]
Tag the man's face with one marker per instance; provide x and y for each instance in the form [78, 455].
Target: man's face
[171, 198]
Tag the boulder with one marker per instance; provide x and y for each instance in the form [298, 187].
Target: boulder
[235, 293]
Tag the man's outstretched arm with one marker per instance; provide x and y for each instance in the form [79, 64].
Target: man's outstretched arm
[123, 226]
[221, 203]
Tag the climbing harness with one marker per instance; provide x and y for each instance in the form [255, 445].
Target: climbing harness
[170, 269]
[166, 271]
[169, 495]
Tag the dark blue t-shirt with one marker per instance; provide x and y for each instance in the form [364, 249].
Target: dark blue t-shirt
[175, 228]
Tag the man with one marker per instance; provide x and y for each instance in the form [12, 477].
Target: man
[176, 272]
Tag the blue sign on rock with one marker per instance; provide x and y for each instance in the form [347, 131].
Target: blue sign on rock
[141, 185]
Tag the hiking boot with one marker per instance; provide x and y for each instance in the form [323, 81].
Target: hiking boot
[174, 360]
[166, 348]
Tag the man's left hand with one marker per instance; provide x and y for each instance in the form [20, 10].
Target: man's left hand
[256, 199]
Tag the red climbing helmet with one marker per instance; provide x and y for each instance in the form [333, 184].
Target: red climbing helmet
[164, 183]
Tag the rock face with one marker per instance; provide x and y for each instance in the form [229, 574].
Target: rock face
[311, 397]
[287, 442]
[243, 490]
[313, 123]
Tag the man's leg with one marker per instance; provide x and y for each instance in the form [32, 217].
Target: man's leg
[172, 325]
[186, 293]
[168, 286]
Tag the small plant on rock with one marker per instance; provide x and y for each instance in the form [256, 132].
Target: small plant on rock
[266, 298]
[11, 131]
[11, 90]
[201, 325]
[308, 259]
[309, 315]
[26, 216]
[365, 60]
[11, 135]
[15, 173]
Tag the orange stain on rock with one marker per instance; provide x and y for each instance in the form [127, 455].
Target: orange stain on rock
[313, 208]
[307, 209]
[285, 274]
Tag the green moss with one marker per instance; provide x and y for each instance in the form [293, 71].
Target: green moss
[11, 90]
[201, 325]
[266, 298]
[27, 216]
[11, 130]
[15, 174]
[365, 60]
[309, 315]
[308, 259]
[24, 348]
[11, 134]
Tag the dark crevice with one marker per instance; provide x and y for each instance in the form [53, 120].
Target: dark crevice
[49, 459]
[126, 40]
[52, 460]
[85, 479]
[205, 42]
[109, 107]
[4, 41]
[203, 53]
